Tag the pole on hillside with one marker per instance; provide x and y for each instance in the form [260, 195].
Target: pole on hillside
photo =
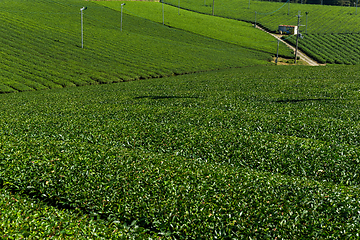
[122, 5]
[356, 6]
[213, 12]
[255, 20]
[297, 36]
[289, 7]
[82, 26]
[82, 30]
[163, 12]
[277, 51]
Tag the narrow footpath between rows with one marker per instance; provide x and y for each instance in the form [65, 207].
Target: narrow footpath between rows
[302, 55]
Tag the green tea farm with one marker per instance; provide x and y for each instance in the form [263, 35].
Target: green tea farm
[160, 120]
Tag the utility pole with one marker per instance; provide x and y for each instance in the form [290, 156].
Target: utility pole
[163, 12]
[82, 26]
[277, 51]
[297, 36]
[289, 7]
[357, 1]
[255, 20]
[213, 8]
[122, 5]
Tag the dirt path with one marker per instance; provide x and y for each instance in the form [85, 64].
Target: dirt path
[302, 55]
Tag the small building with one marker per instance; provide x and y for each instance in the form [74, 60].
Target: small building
[288, 29]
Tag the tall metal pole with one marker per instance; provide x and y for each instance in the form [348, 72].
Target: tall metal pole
[82, 26]
[213, 12]
[297, 37]
[289, 7]
[255, 20]
[356, 6]
[82, 30]
[163, 12]
[277, 51]
[121, 16]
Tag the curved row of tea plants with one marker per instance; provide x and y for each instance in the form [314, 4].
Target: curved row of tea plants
[41, 47]
[321, 18]
[254, 152]
[23, 217]
[316, 20]
[227, 30]
[330, 48]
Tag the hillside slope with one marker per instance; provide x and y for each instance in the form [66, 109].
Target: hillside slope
[224, 29]
[321, 18]
[260, 152]
[41, 47]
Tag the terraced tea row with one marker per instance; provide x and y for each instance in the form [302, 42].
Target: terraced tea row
[252, 152]
[227, 30]
[41, 47]
[320, 18]
[330, 48]
[339, 24]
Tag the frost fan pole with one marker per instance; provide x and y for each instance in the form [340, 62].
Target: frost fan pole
[277, 52]
[255, 20]
[82, 26]
[289, 7]
[163, 11]
[213, 12]
[297, 37]
[306, 21]
[122, 5]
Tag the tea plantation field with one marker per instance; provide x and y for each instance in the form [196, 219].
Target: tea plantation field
[321, 18]
[330, 32]
[270, 152]
[224, 29]
[330, 48]
[40, 44]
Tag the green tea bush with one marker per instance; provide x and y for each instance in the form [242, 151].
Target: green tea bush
[26, 217]
[254, 152]
[321, 19]
[42, 47]
[224, 29]
[329, 47]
